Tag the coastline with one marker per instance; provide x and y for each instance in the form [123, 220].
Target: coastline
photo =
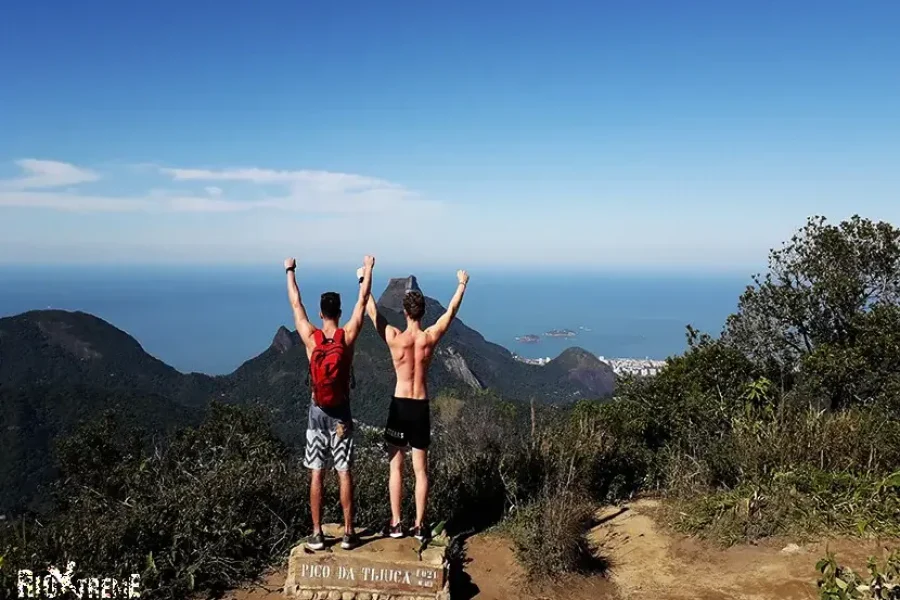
[620, 366]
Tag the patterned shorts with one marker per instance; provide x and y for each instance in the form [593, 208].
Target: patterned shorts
[329, 441]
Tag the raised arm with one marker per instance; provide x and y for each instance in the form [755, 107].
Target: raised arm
[443, 323]
[354, 325]
[301, 321]
[387, 331]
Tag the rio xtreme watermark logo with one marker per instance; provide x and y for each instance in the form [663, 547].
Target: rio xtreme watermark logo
[54, 583]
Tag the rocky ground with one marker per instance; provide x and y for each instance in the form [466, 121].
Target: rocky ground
[645, 561]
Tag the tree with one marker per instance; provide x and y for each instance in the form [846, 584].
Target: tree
[861, 373]
[817, 286]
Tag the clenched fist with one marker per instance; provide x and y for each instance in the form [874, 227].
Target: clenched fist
[462, 276]
[369, 261]
[290, 263]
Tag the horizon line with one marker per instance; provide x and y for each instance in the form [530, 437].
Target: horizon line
[319, 267]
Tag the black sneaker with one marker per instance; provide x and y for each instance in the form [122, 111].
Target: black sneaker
[316, 541]
[395, 531]
[421, 534]
[350, 541]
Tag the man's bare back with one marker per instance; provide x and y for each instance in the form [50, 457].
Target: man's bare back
[411, 352]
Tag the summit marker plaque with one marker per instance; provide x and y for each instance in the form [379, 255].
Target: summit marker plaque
[378, 569]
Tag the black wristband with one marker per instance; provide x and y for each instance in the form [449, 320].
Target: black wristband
[287, 270]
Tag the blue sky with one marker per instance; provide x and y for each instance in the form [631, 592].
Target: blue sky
[660, 135]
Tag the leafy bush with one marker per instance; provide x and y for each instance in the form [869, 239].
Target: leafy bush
[841, 583]
[797, 503]
[549, 534]
[216, 504]
[205, 511]
[791, 420]
[771, 467]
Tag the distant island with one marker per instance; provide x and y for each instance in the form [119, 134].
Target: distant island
[567, 333]
[528, 339]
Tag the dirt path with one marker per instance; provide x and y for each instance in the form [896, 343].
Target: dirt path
[649, 563]
[269, 587]
[645, 562]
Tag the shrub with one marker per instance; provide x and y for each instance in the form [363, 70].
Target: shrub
[549, 534]
[216, 504]
[841, 583]
[205, 511]
[795, 502]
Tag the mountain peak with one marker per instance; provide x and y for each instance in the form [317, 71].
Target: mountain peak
[80, 334]
[576, 357]
[285, 339]
[585, 369]
[392, 297]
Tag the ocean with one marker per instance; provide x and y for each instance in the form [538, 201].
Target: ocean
[212, 320]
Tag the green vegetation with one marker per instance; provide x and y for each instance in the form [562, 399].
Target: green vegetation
[213, 505]
[33, 416]
[549, 535]
[841, 583]
[787, 423]
[208, 508]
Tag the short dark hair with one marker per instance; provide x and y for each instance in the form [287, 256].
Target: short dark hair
[330, 305]
[414, 305]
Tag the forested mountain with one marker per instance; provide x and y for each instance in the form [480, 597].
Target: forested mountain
[60, 368]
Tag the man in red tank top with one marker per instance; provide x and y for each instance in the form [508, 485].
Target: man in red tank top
[329, 433]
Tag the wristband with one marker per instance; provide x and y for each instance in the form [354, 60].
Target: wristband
[289, 269]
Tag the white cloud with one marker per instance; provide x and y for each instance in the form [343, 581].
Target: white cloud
[74, 202]
[303, 191]
[48, 174]
[320, 192]
[325, 181]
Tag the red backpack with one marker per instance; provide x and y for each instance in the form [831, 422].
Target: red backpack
[330, 370]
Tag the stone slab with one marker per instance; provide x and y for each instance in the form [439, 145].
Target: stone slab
[379, 567]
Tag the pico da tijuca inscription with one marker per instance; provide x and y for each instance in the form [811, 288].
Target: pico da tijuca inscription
[365, 576]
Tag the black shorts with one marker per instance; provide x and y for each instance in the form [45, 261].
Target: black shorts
[408, 423]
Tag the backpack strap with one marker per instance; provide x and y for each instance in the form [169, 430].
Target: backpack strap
[339, 338]
[318, 339]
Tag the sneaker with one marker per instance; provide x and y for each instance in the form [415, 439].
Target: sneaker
[420, 533]
[316, 541]
[350, 541]
[395, 531]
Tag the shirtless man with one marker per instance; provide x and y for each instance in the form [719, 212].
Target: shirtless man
[409, 418]
[329, 432]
